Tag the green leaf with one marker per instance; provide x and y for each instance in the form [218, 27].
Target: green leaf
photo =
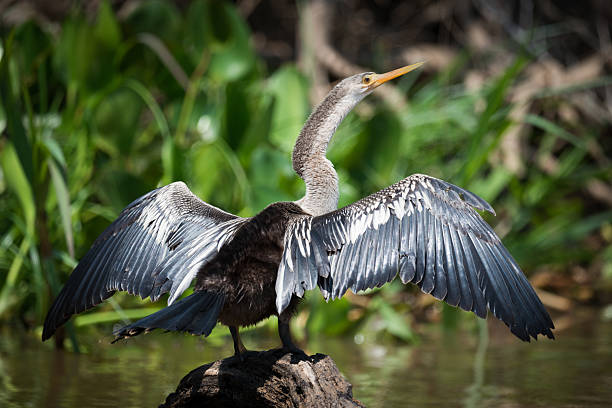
[8, 295]
[2, 119]
[31, 43]
[491, 187]
[106, 30]
[113, 316]
[290, 92]
[395, 323]
[156, 16]
[119, 188]
[10, 101]
[55, 150]
[63, 201]
[259, 129]
[198, 32]
[268, 168]
[329, 318]
[86, 62]
[554, 129]
[216, 27]
[380, 141]
[236, 113]
[207, 168]
[149, 100]
[479, 148]
[117, 117]
[18, 183]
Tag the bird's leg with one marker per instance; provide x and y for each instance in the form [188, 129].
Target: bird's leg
[239, 348]
[285, 333]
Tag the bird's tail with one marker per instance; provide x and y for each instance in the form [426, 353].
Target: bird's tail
[195, 314]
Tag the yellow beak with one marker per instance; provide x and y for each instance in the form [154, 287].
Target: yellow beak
[379, 79]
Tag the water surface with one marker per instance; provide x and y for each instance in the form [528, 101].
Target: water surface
[452, 370]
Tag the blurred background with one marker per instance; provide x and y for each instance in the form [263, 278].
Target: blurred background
[103, 101]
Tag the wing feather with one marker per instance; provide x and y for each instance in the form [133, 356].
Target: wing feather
[359, 259]
[373, 243]
[137, 252]
[392, 248]
[441, 289]
[408, 247]
[427, 231]
[475, 277]
[429, 278]
[453, 291]
[421, 243]
[466, 301]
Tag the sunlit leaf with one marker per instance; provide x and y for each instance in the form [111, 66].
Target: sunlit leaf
[208, 168]
[288, 88]
[18, 183]
[63, 200]
[217, 28]
[55, 150]
[329, 318]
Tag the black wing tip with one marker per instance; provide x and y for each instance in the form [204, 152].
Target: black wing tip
[546, 332]
[526, 334]
[476, 201]
[470, 198]
[52, 323]
[523, 333]
[47, 333]
[48, 330]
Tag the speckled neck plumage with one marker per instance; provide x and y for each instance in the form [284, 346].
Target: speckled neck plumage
[309, 159]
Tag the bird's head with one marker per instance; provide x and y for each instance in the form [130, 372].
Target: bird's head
[360, 85]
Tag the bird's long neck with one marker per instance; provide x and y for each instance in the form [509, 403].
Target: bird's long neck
[309, 159]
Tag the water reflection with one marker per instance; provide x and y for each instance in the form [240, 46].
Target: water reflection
[454, 370]
[474, 391]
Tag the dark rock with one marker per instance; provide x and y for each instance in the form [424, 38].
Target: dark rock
[271, 378]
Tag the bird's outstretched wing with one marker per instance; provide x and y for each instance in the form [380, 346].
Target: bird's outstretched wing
[427, 231]
[155, 246]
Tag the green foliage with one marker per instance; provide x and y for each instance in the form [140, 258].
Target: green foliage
[107, 110]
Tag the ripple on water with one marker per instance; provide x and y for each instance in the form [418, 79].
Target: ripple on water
[573, 371]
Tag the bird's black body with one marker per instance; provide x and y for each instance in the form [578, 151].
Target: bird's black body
[424, 230]
[239, 281]
[245, 268]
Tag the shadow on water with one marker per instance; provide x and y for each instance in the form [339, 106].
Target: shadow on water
[456, 369]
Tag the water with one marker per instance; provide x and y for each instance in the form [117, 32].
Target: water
[453, 370]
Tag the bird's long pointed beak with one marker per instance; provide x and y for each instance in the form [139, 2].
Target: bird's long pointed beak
[380, 79]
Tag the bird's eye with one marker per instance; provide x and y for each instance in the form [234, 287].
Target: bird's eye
[366, 80]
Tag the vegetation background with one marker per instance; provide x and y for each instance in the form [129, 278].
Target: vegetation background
[103, 101]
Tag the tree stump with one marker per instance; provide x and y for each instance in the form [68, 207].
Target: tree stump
[271, 378]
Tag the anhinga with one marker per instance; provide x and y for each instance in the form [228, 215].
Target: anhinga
[247, 269]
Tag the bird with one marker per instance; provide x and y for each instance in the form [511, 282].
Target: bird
[423, 229]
